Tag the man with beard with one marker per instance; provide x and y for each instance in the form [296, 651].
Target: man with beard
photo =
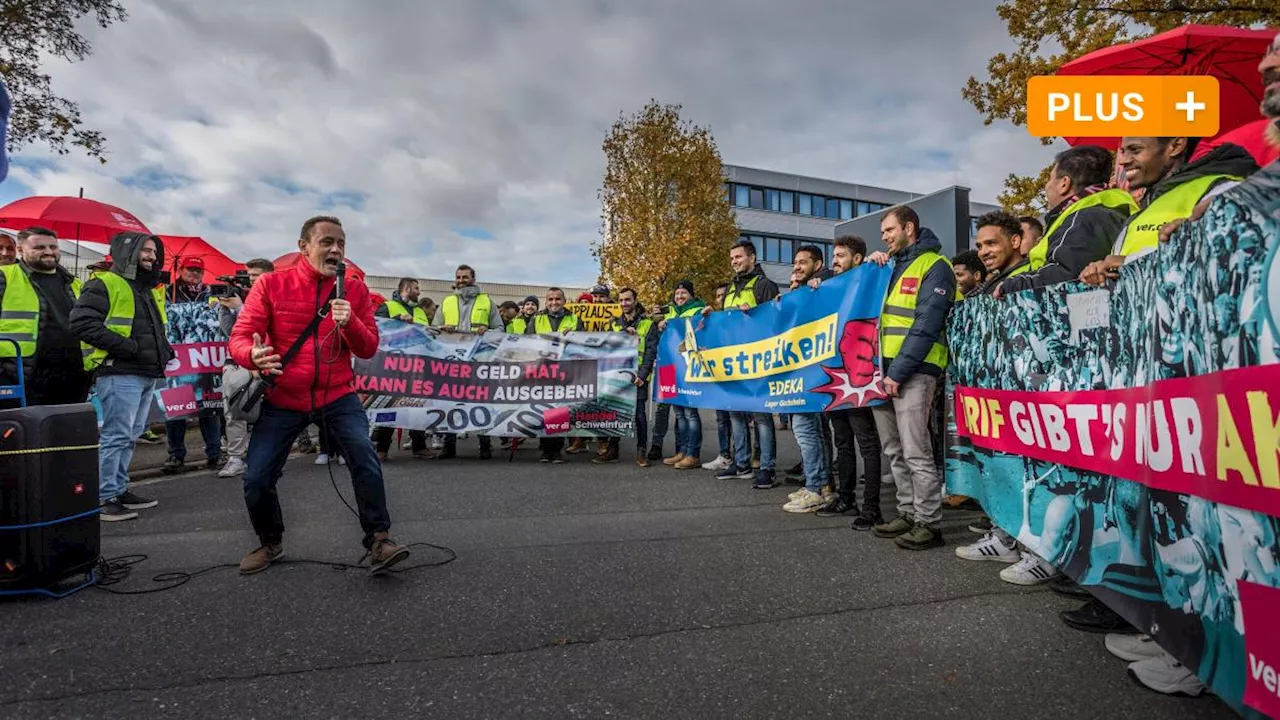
[190, 288]
[1032, 231]
[554, 320]
[403, 306]
[634, 321]
[121, 323]
[467, 310]
[520, 322]
[36, 297]
[8, 249]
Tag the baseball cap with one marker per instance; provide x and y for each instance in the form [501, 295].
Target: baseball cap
[600, 290]
[193, 262]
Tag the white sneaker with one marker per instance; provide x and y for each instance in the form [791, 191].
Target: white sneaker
[988, 548]
[235, 466]
[805, 502]
[1030, 570]
[322, 459]
[720, 463]
[1132, 647]
[1165, 674]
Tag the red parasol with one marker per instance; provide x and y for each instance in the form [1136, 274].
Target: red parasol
[71, 218]
[288, 260]
[178, 250]
[1228, 53]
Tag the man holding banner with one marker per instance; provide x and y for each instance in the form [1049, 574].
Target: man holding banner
[913, 354]
[633, 321]
[467, 310]
[807, 427]
[688, 422]
[403, 306]
[555, 320]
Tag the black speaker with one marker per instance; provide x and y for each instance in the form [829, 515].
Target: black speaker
[49, 527]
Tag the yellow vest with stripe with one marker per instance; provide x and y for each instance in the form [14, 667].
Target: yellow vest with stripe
[642, 331]
[671, 312]
[395, 309]
[745, 296]
[480, 311]
[542, 324]
[518, 325]
[1143, 231]
[899, 312]
[1114, 198]
[120, 313]
[20, 311]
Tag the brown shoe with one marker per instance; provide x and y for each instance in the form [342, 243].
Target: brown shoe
[576, 446]
[607, 457]
[382, 457]
[259, 559]
[385, 552]
[673, 459]
[642, 461]
[426, 454]
[689, 462]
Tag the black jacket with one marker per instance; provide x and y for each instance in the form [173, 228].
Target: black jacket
[49, 325]
[146, 351]
[1086, 236]
[1225, 159]
[933, 302]
[764, 289]
[620, 324]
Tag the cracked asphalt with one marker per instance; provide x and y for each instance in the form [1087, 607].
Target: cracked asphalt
[578, 591]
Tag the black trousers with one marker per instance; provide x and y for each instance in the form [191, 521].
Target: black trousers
[49, 385]
[852, 428]
[551, 446]
[382, 437]
[451, 443]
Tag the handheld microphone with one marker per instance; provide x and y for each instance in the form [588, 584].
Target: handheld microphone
[341, 280]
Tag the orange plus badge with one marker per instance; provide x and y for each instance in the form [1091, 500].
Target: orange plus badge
[1122, 106]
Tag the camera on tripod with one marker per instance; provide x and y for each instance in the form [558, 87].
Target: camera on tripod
[231, 285]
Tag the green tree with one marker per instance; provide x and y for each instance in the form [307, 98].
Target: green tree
[664, 211]
[30, 32]
[1050, 33]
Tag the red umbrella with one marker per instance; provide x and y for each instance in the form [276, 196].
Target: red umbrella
[178, 250]
[70, 217]
[1228, 53]
[288, 260]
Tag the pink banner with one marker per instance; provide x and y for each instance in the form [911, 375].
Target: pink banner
[1258, 604]
[178, 402]
[1216, 436]
[197, 359]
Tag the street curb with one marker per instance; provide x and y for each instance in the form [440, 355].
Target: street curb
[151, 475]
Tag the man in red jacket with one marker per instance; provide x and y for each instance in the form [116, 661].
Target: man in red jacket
[315, 387]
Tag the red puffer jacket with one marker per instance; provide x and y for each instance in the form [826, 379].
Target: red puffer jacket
[279, 308]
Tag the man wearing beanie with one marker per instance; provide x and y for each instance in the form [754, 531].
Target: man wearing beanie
[688, 422]
[528, 309]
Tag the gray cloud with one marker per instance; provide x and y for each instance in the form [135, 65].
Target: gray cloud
[454, 114]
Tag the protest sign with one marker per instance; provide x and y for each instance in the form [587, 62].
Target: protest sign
[1130, 437]
[595, 317]
[809, 351]
[498, 384]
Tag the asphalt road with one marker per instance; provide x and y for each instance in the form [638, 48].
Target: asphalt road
[578, 591]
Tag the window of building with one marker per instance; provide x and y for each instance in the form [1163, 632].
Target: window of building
[786, 202]
[742, 195]
[728, 193]
[973, 227]
[846, 209]
[757, 198]
[805, 208]
[833, 208]
[786, 251]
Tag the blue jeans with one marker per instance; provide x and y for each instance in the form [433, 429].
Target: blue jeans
[126, 402]
[210, 429]
[724, 433]
[807, 427]
[273, 436]
[742, 448]
[689, 436]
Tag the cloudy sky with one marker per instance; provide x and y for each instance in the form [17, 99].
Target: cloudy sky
[469, 131]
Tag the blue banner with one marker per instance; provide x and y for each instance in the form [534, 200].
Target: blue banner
[808, 351]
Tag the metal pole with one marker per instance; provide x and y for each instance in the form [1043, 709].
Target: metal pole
[76, 272]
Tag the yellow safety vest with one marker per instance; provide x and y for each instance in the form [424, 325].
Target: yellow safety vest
[671, 312]
[642, 331]
[518, 326]
[1114, 198]
[479, 311]
[542, 324]
[1143, 231]
[396, 308]
[20, 311]
[899, 311]
[120, 313]
[745, 296]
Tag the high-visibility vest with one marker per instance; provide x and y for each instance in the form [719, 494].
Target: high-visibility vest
[671, 311]
[396, 308]
[542, 324]
[20, 311]
[1114, 198]
[120, 313]
[518, 325]
[479, 311]
[1142, 233]
[642, 331]
[745, 296]
[899, 311]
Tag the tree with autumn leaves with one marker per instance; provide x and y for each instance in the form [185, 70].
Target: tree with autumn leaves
[664, 211]
[1049, 33]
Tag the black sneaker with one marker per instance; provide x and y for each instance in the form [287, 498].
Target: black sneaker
[867, 520]
[842, 506]
[733, 472]
[655, 454]
[173, 464]
[557, 459]
[981, 526]
[765, 481]
[1095, 617]
[114, 511]
[134, 501]
[486, 454]
[545, 458]
[1067, 587]
[214, 462]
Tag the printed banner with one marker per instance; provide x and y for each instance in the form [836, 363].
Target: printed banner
[1130, 436]
[809, 351]
[595, 317]
[498, 384]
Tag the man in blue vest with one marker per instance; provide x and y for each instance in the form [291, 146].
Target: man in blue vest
[913, 354]
[467, 310]
[121, 325]
[36, 297]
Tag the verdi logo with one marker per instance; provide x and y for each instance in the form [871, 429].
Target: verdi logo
[667, 382]
[1261, 646]
[556, 420]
